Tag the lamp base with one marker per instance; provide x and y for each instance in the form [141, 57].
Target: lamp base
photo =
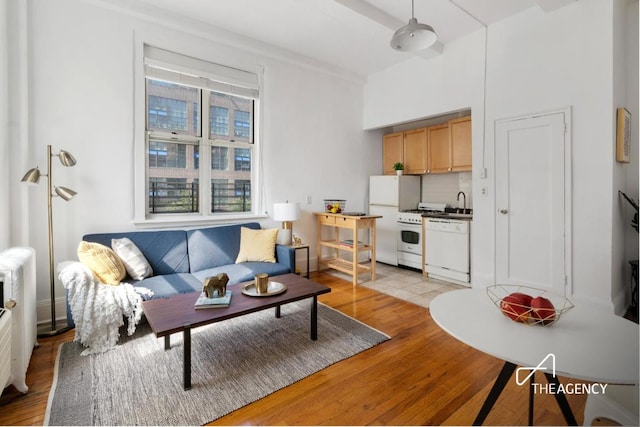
[284, 236]
[46, 330]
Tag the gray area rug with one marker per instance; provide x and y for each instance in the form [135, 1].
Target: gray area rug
[234, 363]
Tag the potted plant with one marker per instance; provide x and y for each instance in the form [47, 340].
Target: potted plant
[399, 167]
[634, 221]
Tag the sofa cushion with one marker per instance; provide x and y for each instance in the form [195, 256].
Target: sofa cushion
[134, 261]
[165, 250]
[170, 284]
[257, 245]
[215, 246]
[102, 261]
[243, 272]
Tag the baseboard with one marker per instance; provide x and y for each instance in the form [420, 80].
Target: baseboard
[43, 310]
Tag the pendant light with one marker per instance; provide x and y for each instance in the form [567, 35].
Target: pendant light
[413, 36]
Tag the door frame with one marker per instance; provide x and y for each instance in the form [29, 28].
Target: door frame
[568, 189]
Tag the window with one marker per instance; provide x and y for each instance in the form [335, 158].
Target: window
[198, 110]
[220, 158]
[219, 121]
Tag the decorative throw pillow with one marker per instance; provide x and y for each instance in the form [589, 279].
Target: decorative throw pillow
[257, 245]
[104, 263]
[134, 261]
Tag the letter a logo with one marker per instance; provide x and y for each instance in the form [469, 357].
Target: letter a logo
[533, 369]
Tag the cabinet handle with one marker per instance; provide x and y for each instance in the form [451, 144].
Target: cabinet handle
[503, 211]
[449, 169]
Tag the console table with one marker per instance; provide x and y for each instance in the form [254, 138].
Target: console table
[352, 225]
[586, 343]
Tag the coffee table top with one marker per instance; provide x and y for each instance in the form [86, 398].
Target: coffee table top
[169, 315]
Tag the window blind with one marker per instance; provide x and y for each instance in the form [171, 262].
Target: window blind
[173, 67]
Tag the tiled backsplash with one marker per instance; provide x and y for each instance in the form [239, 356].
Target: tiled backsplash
[444, 188]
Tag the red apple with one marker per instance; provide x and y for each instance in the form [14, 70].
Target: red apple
[543, 310]
[515, 307]
[526, 299]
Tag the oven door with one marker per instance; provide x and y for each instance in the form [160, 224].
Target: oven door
[410, 238]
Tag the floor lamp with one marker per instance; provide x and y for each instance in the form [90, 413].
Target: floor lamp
[66, 194]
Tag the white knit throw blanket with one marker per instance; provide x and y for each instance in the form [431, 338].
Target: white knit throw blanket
[98, 309]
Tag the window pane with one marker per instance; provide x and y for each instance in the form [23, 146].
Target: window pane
[173, 108]
[219, 120]
[230, 196]
[172, 176]
[172, 195]
[220, 158]
[241, 124]
[242, 159]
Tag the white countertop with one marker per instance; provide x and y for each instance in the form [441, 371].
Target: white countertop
[588, 344]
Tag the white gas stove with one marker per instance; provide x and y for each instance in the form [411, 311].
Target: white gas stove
[414, 216]
[410, 233]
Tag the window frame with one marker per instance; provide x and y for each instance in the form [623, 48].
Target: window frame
[142, 217]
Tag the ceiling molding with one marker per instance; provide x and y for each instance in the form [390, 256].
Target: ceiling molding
[551, 5]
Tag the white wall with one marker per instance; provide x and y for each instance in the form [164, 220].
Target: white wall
[5, 176]
[81, 58]
[536, 61]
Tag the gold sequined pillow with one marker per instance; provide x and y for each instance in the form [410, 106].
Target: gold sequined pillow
[103, 261]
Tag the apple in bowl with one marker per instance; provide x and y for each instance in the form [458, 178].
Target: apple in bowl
[542, 310]
[516, 306]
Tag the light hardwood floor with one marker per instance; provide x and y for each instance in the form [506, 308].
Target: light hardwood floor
[422, 376]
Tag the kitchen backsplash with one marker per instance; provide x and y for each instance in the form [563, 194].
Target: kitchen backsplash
[444, 188]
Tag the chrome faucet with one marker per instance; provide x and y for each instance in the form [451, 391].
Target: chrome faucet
[464, 198]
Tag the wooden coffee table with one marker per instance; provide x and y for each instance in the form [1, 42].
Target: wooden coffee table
[177, 313]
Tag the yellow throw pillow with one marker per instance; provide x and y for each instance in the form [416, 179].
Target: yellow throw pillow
[104, 263]
[257, 245]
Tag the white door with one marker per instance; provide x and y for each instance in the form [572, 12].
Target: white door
[383, 190]
[532, 175]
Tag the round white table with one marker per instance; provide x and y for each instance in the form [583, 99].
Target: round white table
[586, 343]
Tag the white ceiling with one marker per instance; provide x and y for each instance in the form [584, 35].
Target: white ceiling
[352, 35]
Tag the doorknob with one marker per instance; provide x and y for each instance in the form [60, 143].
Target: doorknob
[503, 211]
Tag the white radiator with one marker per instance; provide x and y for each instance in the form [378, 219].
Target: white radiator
[18, 272]
[5, 348]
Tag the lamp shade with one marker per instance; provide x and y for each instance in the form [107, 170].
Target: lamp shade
[286, 211]
[413, 36]
[66, 158]
[65, 193]
[32, 176]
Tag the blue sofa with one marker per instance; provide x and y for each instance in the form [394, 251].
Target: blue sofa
[182, 259]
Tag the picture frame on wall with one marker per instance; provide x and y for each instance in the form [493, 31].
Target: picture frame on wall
[623, 135]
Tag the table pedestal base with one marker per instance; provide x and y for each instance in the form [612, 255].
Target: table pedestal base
[507, 370]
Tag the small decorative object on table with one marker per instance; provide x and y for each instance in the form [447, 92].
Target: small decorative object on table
[215, 302]
[528, 305]
[215, 284]
[334, 205]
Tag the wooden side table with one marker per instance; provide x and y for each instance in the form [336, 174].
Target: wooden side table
[338, 246]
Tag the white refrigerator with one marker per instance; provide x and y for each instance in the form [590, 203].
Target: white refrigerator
[389, 194]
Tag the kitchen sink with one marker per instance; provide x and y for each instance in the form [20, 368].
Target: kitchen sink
[457, 214]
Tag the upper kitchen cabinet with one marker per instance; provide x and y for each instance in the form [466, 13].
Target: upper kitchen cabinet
[392, 151]
[415, 151]
[460, 134]
[439, 149]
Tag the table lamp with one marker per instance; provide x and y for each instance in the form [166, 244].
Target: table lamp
[287, 213]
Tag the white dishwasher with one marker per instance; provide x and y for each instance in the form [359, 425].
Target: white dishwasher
[447, 249]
